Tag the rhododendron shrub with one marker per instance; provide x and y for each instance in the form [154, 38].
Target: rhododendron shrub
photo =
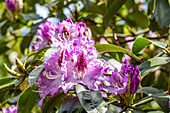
[104, 56]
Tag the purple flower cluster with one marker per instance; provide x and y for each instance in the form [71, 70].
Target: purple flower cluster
[75, 60]
[11, 109]
[118, 80]
[13, 5]
[52, 34]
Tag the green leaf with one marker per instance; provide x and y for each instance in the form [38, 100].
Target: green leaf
[156, 93]
[48, 53]
[27, 100]
[3, 47]
[161, 13]
[152, 63]
[25, 43]
[31, 16]
[140, 18]
[149, 90]
[51, 4]
[113, 48]
[157, 61]
[50, 104]
[71, 105]
[2, 23]
[33, 76]
[37, 53]
[141, 43]
[7, 80]
[92, 101]
[6, 87]
[112, 10]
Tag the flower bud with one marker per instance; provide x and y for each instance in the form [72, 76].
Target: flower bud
[14, 5]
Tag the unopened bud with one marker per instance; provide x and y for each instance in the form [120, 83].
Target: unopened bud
[12, 72]
[20, 65]
[14, 5]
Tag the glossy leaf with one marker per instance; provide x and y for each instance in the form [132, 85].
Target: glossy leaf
[163, 102]
[6, 87]
[50, 104]
[112, 10]
[113, 48]
[92, 101]
[33, 76]
[48, 53]
[141, 43]
[7, 80]
[25, 43]
[71, 105]
[2, 23]
[161, 10]
[152, 63]
[51, 4]
[31, 16]
[149, 90]
[27, 100]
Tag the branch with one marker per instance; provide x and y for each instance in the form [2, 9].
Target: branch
[151, 38]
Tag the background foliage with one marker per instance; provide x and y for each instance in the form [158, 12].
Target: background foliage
[137, 30]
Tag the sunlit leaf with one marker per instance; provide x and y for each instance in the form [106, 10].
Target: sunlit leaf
[7, 80]
[112, 10]
[152, 63]
[33, 76]
[113, 48]
[31, 16]
[6, 87]
[141, 43]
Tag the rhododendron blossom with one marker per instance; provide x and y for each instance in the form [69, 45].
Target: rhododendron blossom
[75, 61]
[118, 80]
[11, 109]
[52, 33]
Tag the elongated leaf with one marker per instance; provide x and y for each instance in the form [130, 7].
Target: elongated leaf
[57, 99]
[2, 23]
[6, 87]
[161, 12]
[3, 47]
[152, 63]
[31, 16]
[51, 4]
[149, 90]
[112, 10]
[71, 105]
[27, 100]
[7, 80]
[113, 48]
[141, 43]
[163, 102]
[92, 101]
[48, 53]
[33, 76]
[25, 43]
[37, 52]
